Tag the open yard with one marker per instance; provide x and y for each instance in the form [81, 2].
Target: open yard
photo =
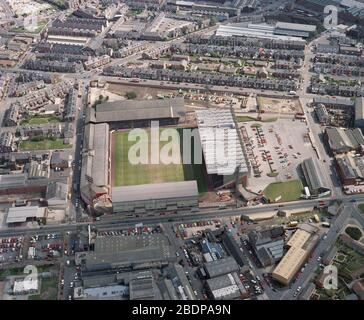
[34, 30]
[245, 118]
[276, 151]
[40, 120]
[48, 291]
[44, 144]
[284, 191]
[10, 272]
[361, 207]
[126, 173]
[280, 106]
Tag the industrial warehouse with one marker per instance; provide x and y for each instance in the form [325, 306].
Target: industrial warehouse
[126, 252]
[20, 215]
[313, 179]
[281, 31]
[344, 140]
[300, 246]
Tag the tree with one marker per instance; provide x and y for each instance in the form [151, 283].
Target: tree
[354, 232]
[130, 95]
[213, 21]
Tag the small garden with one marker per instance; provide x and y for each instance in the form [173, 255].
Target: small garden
[354, 233]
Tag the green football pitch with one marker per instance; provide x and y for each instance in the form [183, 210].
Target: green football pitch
[126, 173]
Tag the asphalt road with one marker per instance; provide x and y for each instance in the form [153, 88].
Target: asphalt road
[118, 221]
[176, 244]
[328, 173]
[75, 208]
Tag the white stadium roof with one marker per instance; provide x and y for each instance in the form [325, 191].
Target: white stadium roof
[221, 145]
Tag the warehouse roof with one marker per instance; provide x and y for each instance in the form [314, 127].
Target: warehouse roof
[220, 141]
[129, 110]
[118, 251]
[296, 26]
[13, 180]
[37, 170]
[290, 263]
[107, 260]
[322, 113]
[254, 31]
[57, 190]
[221, 281]
[106, 292]
[224, 287]
[220, 267]
[233, 248]
[312, 174]
[155, 191]
[344, 138]
[299, 238]
[346, 168]
[98, 280]
[329, 101]
[351, 167]
[358, 136]
[120, 243]
[359, 108]
[21, 214]
[59, 157]
[142, 288]
[6, 138]
[294, 257]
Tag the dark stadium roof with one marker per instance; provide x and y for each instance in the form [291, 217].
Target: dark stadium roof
[129, 110]
[155, 191]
